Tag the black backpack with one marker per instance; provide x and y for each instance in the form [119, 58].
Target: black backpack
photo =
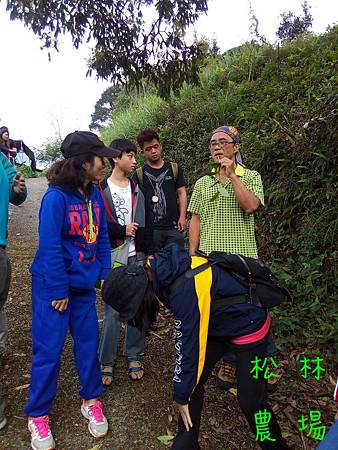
[264, 288]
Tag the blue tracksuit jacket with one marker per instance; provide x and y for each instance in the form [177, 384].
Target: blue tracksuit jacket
[80, 255]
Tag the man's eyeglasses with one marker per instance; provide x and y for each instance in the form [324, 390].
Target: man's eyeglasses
[221, 142]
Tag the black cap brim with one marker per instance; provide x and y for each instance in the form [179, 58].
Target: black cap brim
[107, 152]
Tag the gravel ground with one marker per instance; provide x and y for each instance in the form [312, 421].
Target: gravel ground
[138, 412]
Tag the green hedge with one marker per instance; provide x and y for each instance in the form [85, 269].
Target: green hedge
[284, 102]
[27, 171]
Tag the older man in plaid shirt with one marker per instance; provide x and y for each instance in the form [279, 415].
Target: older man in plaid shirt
[223, 204]
[222, 207]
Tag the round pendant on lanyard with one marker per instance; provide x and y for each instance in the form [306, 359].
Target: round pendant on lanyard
[154, 199]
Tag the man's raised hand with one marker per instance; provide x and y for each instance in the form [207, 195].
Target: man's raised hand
[228, 165]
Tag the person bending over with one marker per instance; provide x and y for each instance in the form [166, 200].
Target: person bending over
[211, 315]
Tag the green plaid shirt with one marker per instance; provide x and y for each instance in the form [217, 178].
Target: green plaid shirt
[225, 227]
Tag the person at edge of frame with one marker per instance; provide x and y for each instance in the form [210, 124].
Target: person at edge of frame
[12, 190]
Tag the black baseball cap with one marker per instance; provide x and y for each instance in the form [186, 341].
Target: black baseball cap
[3, 130]
[80, 142]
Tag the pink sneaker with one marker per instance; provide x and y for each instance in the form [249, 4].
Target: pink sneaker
[97, 425]
[41, 436]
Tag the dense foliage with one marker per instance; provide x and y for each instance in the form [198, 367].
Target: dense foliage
[27, 172]
[284, 101]
[103, 108]
[292, 26]
[131, 39]
[49, 151]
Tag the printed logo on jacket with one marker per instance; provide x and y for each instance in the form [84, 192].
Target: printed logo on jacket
[80, 223]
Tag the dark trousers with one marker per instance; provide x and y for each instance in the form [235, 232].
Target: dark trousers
[163, 237]
[5, 279]
[230, 356]
[252, 394]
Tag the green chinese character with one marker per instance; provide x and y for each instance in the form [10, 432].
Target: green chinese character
[318, 369]
[257, 368]
[305, 368]
[262, 419]
[316, 429]
[268, 374]
[302, 421]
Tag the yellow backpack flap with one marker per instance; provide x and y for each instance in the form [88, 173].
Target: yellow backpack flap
[203, 282]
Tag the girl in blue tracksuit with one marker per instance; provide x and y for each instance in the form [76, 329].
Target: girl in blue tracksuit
[73, 253]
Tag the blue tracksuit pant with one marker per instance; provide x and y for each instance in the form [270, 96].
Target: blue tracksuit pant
[49, 332]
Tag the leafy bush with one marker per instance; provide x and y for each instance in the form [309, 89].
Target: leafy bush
[284, 102]
[26, 171]
[128, 122]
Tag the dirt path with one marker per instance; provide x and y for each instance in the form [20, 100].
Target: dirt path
[137, 412]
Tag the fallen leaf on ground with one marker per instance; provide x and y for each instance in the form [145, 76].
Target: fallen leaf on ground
[155, 334]
[96, 447]
[276, 408]
[23, 386]
[165, 438]
[233, 391]
[288, 413]
[164, 330]
[332, 381]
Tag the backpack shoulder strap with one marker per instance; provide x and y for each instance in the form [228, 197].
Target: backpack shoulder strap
[190, 273]
[174, 168]
[139, 173]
